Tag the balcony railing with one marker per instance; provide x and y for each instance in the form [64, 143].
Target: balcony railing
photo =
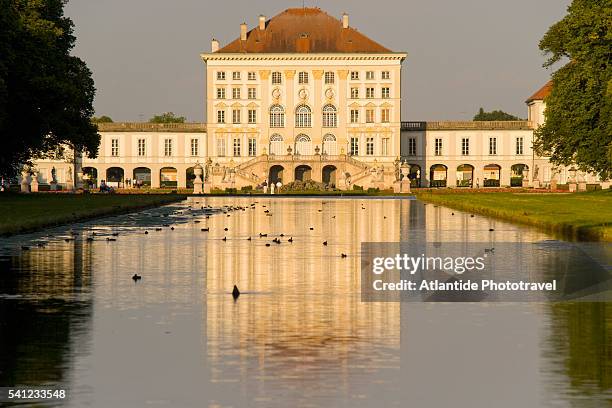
[468, 125]
[152, 127]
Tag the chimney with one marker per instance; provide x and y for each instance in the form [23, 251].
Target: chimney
[345, 20]
[262, 22]
[243, 32]
[214, 45]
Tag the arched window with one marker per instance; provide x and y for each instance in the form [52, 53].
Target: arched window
[303, 146]
[329, 144]
[330, 116]
[303, 117]
[276, 144]
[277, 116]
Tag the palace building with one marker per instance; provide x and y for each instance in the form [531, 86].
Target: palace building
[305, 96]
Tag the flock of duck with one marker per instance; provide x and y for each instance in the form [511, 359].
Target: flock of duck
[207, 211]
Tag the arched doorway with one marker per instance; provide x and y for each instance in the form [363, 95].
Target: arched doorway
[438, 174]
[329, 175]
[303, 145]
[415, 175]
[518, 173]
[330, 146]
[90, 177]
[142, 177]
[277, 147]
[303, 173]
[168, 177]
[492, 175]
[189, 177]
[276, 174]
[465, 175]
[114, 177]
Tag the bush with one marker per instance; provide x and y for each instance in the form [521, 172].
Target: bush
[516, 182]
[491, 183]
[437, 183]
[593, 187]
[246, 188]
[303, 186]
[231, 190]
[357, 187]
[373, 190]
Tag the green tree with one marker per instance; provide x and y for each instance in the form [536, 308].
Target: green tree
[46, 95]
[494, 115]
[167, 117]
[102, 119]
[578, 128]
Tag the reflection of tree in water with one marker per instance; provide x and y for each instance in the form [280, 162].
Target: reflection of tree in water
[38, 328]
[582, 334]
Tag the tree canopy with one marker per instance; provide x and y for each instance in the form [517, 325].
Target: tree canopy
[167, 117]
[494, 115]
[578, 127]
[46, 95]
[102, 119]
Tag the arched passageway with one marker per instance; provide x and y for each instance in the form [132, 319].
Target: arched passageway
[329, 175]
[303, 173]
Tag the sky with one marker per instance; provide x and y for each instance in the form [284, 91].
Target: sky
[145, 54]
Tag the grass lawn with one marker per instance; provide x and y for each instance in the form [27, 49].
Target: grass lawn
[29, 212]
[585, 216]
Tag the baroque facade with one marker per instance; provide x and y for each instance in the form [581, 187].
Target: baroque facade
[303, 96]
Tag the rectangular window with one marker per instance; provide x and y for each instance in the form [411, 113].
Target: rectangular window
[492, 145]
[303, 78]
[252, 93]
[142, 147]
[167, 147]
[252, 116]
[235, 115]
[354, 147]
[235, 93]
[369, 75]
[412, 146]
[354, 93]
[220, 76]
[386, 94]
[251, 76]
[114, 147]
[236, 147]
[252, 147]
[236, 75]
[519, 145]
[354, 115]
[329, 78]
[220, 116]
[385, 75]
[354, 75]
[220, 93]
[220, 147]
[384, 146]
[277, 78]
[195, 147]
[369, 115]
[465, 146]
[369, 93]
[438, 147]
[385, 115]
[370, 146]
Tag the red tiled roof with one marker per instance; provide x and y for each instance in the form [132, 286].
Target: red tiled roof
[542, 93]
[304, 30]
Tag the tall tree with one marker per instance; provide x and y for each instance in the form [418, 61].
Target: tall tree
[167, 117]
[46, 94]
[494, 115]
[578, 128]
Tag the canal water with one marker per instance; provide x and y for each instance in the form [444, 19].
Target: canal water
[72, 317]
